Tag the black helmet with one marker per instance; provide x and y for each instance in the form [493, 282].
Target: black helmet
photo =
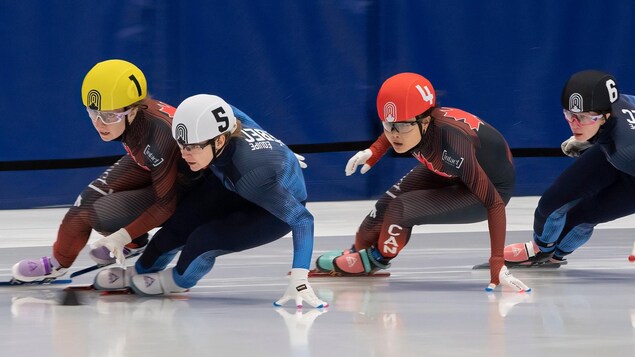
[590, 91]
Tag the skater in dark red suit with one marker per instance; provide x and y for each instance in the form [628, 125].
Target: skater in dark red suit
[465, 175]
[139, 192]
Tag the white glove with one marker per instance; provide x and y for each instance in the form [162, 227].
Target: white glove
[573, 148]
[300, 158]
[358, 159]
[507, 279]
[300, 289]
[115, 243]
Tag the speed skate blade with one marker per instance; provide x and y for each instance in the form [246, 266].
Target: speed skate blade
[14, 282]
[481, 266]
[522, 266]
[88, 269]
[99, 266]
[124, 291]
[314, 273]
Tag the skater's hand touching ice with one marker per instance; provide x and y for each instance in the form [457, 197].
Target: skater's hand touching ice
[300, 290]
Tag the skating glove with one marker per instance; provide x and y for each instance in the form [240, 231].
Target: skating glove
[359, 159]
[573, 148]
[300, 290]
[115, 244]
[507, 279]
[300, 158]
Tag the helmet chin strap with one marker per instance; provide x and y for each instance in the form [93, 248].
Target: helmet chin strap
[125, 129]
[422, 131]
[215, 151]
[127, 125]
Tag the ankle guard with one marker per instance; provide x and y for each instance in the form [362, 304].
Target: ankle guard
[377, 259]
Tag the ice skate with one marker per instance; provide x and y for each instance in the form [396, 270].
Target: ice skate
[155, 283]
[351, 263]
[41, 270]
[540, 260]
[324, 263]
[527, 255]
[116, 278]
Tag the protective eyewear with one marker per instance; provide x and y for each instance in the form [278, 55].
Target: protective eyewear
[194, 148]
[400, 127]
[581, 118]
[108, 118]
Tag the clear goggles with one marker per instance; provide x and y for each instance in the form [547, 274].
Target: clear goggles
[581, 118]
[194, 148]
[107, 118]
[400, 127]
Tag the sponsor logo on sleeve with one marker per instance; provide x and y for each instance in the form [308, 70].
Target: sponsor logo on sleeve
[154, 160]
[452, 160]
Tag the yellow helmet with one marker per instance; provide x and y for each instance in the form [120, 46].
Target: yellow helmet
[113, 84]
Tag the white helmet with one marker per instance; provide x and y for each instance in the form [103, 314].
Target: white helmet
[202, 117]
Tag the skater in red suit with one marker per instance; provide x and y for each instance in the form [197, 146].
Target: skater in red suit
[136, 194]
[465, 174]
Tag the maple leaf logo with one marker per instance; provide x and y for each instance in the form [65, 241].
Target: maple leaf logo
[457, 114]
[167, 109]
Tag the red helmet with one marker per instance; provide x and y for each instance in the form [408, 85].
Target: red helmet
[404, 96]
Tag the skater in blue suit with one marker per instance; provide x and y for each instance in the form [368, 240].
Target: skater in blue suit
[596, 187]
[254, 194]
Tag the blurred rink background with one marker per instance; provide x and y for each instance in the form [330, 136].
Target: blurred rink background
[307, 71]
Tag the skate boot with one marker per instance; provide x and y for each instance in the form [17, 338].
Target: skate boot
[101, 255]
[324, 262]
[364, 262]
[152, 284]
[116, 278]
[528, 255]
[44, 269]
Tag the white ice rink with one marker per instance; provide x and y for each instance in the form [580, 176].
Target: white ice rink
[433, 304]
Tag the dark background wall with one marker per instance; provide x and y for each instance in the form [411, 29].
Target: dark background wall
[307, 71]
